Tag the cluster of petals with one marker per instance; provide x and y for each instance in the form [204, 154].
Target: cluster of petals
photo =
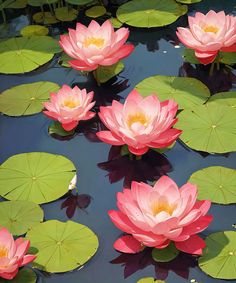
[69, 106]
[141, 123]
[12, 254]
[156, 216]
[95, 45]
[208, 34]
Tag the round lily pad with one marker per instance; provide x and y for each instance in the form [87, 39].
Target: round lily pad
[219, 256]
[25, 275]
[224, 98]
[34, 30]
[151, 13]
[60, 246]
[165, 255]
[40, 3]
[18, 216]
[24, 54]
[187, 92]
[210, 128]
[188, 1]
[45, 18]
[66, 14]
[79, 2]
[96, 11]
[17, 4]
[26, 99]
[36, 176]
[105, 73]
[149, 280]
[216, 183]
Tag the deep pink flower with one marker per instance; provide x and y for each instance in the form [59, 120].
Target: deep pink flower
[156, 216]
[95, 45]
[69, 106]
[12, 254]
[141, 123]
[208, 34]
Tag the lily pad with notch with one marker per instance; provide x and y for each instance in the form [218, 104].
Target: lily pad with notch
[224, 98]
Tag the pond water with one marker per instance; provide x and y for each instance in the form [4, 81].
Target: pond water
[157, 52]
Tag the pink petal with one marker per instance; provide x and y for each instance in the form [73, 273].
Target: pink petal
[108, 137]
[82, 66]
[9, 276]
[128, 244]
[69, 126]
[193, 245]
[27, 259]
[138, 151]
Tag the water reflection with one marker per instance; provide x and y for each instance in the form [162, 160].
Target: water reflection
[150, 168]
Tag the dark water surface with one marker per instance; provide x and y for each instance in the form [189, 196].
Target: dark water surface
[155, 53]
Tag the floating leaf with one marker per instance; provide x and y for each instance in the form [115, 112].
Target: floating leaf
[34, 30]
[224, 98]
[105, 73]
[166, 254]
[56, 129]
[216, 183]
[116, 23]
[36, 176]
[62, 246]
[188, 1]
[79, 2]
[39, 3]
[149, 280]
[151, 13]
[96, 11]
[25, 275]
[17, 4]
[45, 18]
[66, 14]
[187, 92]
[19, 216]
[210, 128]
[219, 257]
[26, 99]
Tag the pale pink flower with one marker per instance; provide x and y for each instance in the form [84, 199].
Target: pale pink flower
[141, 123]
[156, 216]
[69, 106]
[95, 45]
[208, 34]
[12, 254]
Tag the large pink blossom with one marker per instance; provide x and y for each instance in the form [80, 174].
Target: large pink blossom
[12, 254]
[156, 216]
[69, 106]
[141, 123]
[208, 34]
[95, 45]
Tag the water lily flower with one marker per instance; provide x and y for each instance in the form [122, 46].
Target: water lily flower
[95, 45]
[69, 106]
[141, 123]
[156, 216]
[12, 254]
[208, 34]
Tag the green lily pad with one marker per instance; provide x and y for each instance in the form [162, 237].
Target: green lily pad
[187, 92]
[56, 129]
[216, 183]
[26, 99]
[25, 54]
[45, 18]
[36, 176]
[219, 257]
[66, 14]
[96, 11]
[105, 73]
[17, 4]
[149, 280]
[224, 98]
[116, 23]
[63, 61]
[34, 30]
[39, 3]
[210, 128]
[79, 2]
[18, 216]
[62, 246]
[188, 1]
[25, 275]
[151, 13]
[165, 255]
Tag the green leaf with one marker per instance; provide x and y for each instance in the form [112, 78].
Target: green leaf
[24, 54]
[95, 11]
[34, 30]
[79, 2]
[19, 216]
[216, 183]
[25, 275]
[149, 280]
[36, 176]
[60, 246]
[66, 14]
[39, 3]
[187, 92]
[57, 129]
[105, 73]
[26, 99]
[219, 256]
[17, 4]
[210, 128]
[116, 23]
[151, 13]
[224, 98]
[189, 56]
[63, 61]
[188, 1]
[45, 18]
[165, 255]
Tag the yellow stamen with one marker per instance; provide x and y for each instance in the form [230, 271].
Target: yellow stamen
[3, 252]
[137, 118]
[99, 42]
[213, 29]
[158, 207]
[70, 103]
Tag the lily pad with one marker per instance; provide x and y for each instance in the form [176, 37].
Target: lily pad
[187, 92]
[96, 11]
[79, 2]
[219, 257]
[224, 98]
[62, 246]
[24, 54]
[56, 129]
[149, 280]
[210, 128]
[66, 14]
[216, 183]
[151, 13]
[19, 216]
[63, 61]
[165, 255]
[188, 1]
[17, 4]
[36, 176]
[26, 99]
[116, 23]
[39, 3]
[105, 73]
[34, 30]
[45, 18]
[25, 275]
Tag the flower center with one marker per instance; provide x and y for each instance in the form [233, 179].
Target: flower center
[137, 118]
[98, 42]
[213, 29]
[70, 103]
[158, 207]
[3, 252]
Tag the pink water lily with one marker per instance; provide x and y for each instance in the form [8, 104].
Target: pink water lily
[156, 216]
[12, 254]
[141, 123]
[208, 34]
[95, 45]
[70, 106]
